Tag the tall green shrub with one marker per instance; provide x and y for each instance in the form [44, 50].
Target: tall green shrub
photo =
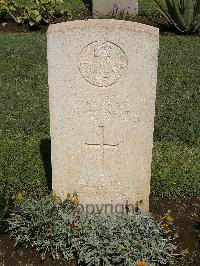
[34, 12]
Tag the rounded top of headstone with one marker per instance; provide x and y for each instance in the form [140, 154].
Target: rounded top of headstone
[103, 23]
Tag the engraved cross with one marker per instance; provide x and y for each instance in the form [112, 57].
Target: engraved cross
[102, 145]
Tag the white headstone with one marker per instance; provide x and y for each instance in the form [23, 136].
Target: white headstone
[102, 85]
[105, 7]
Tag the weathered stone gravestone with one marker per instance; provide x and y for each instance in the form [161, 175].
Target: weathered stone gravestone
[104, 7]
[102, 82]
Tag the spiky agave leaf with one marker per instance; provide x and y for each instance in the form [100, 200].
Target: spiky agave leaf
[174, 10]
[196, 20]
[196, 25]
[168, 14]
[197, 10]
[183, 15]
[177, 14]
[188, 14]
[162, 10]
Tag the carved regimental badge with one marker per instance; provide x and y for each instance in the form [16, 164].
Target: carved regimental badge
[102, 63]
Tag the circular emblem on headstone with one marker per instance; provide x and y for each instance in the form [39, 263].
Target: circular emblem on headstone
[102, 63]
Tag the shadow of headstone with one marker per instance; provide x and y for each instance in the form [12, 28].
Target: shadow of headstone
[45, 151]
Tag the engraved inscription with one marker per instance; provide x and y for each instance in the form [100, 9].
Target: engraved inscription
[102, 63]
[102, 108]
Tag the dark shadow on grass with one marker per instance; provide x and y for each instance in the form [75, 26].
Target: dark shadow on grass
[45, 151]
[88, 4]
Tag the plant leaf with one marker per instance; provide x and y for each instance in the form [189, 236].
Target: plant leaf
[197, 26]
[177, 15]
[170, 8]
[188, 14]
[197, 9]
[164, 14]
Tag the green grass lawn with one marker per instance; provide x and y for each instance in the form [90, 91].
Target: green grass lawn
[24, 116]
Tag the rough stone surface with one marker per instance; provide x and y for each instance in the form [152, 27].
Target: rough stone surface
[107, 6]
[102, 85]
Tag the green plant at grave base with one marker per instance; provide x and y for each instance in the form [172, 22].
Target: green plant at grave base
[182, 15]
[125, 240]
[34, 12]
[47, 223]
[62, 229]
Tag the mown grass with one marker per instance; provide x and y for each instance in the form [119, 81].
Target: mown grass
[176, 160]
[24, 116]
